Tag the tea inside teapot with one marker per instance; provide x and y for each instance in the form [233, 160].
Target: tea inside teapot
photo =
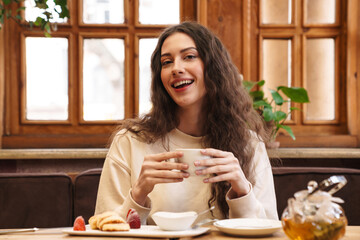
[313, 214]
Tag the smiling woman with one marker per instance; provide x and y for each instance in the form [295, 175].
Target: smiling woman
[182, 71]
[194, 92]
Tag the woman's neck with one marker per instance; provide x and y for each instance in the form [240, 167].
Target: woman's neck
[191, 121]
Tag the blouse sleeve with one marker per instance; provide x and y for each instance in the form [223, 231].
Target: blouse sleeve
[114, 193]
[260, 202]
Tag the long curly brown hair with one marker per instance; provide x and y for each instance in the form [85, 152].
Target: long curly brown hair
[228, 107]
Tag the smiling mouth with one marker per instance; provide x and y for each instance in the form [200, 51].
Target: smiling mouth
[182, 84]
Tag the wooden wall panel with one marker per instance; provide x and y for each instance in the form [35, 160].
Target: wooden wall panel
[224, 19]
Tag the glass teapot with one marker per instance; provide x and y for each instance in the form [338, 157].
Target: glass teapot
[314, 213]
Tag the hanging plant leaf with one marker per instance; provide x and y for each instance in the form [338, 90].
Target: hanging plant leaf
[44, 17]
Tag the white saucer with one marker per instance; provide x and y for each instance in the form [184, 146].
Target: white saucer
[248, 226]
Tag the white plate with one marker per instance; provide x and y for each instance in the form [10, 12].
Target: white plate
[248, 226]
[144, 231]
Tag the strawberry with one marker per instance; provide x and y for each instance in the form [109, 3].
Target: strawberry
[133, 219]
[79, 224]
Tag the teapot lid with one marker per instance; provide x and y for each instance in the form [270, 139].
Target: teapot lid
[335, 182]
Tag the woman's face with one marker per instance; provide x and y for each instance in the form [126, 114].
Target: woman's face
[182, 71]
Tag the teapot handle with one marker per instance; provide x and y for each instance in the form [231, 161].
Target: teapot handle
[338, 181]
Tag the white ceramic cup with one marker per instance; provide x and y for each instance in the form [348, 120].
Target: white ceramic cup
[190, 156]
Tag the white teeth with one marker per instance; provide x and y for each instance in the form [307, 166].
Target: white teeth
[182, 82]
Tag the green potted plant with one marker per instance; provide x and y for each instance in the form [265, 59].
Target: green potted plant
[272, 110]
[45, 19]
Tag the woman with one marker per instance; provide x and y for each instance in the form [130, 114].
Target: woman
[198, 102]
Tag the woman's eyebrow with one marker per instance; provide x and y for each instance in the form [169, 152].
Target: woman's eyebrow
[181, 51]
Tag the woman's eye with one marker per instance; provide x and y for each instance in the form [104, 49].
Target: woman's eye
[190, 57]
[166, 62]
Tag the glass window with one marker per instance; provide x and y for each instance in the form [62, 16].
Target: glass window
[146, 48]
[103, 79]
[32, 12]
[276, 11]
[320, 78]
[276, 66]
[46, 83]
[103, 11]
[159, 11]
[320, 11]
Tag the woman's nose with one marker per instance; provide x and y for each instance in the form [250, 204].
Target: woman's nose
[177, 68]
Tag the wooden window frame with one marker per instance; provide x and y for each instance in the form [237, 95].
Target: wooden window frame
[335, 133]
[73, 132]
[242, 43]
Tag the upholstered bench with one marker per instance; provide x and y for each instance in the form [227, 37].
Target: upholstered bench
[52, 200]
[85, 193]
[35, 200]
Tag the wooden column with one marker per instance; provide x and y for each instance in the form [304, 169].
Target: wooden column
[2, 84]
[353, 68]
[224, 18]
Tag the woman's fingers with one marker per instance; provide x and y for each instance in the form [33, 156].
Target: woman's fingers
[217, 158]
[163, 156]
[164, 174]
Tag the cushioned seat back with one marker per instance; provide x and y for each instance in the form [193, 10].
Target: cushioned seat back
[85, 193]
[35, 200]
[289, 180]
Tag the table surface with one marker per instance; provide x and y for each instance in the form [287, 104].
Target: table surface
[352, 233]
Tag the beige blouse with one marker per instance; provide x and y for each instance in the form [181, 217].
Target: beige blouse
[123, 164]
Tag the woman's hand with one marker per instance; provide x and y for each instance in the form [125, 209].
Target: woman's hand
[227, 168]
[155, 169]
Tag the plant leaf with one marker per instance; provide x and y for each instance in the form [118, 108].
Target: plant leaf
[41, 4]
[277, 97]
[295, 108]
[6, 2]
[257, 95]
[261, 83]
[279, 115]
[250, 84]
[287, 129]
[38, 21]
[296, 94]
[268, 114]
[261, 103]
[20, 9]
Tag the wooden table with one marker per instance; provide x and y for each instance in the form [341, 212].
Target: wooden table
[352, 233]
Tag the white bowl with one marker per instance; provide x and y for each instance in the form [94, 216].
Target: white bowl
[173, 221]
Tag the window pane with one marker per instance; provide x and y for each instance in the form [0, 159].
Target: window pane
[103, 79]
[32, 12]
[103, 11]
[320, 78]
[46, 78]
[159, 11]
[276, 66]
[276, 11]
[320, 11]
[146, 48]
